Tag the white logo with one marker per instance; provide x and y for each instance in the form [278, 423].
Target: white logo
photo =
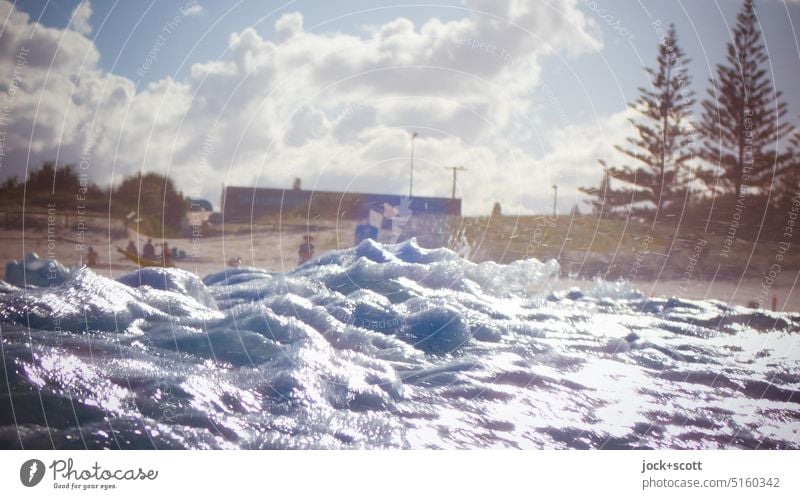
[31, 472]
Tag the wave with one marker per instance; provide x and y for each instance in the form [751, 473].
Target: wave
[388, 346]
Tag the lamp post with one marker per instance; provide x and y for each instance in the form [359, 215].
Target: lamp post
[555, 200]
[411, 180]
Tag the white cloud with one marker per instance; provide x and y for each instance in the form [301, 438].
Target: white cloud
[289, 25]
[80, 18]
[333, 108]
[193, 9]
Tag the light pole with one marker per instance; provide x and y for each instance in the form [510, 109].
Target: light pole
[555, 200]
[411, 180]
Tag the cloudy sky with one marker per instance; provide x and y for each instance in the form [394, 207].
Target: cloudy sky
[524, 94]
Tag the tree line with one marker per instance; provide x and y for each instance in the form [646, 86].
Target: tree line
[153, 197]
[736, 167]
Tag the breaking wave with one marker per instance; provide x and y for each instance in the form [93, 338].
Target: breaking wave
[388, 346]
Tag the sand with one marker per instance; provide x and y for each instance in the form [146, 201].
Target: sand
[277, 251]
[270, 249]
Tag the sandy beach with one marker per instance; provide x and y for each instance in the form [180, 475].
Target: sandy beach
[263, 248]
[276, 251]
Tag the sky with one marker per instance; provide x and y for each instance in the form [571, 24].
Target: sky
[524, 94]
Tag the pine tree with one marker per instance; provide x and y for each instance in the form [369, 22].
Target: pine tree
[604, 199]
[787, 186]
[784, 197]
[742, 121]
[661, 147]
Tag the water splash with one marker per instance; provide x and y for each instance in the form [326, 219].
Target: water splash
[388, 346]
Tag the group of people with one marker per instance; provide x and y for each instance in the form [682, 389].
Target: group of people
[149, 251]
[364, 230]
[305, 252]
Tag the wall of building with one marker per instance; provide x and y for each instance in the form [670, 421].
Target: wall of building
[245, 204]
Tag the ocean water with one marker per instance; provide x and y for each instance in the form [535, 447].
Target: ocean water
[388, 347]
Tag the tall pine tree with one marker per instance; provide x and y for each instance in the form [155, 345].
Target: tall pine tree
[743, 122]
[604, 199]
[661, 147]
[787, 186]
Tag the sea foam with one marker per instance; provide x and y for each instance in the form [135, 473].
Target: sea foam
[388, 346]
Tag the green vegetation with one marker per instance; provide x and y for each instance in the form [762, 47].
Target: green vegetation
[154, 197]
[743, 116]
[160, 207]
[61, 186]
[589, 245]
[661, 149]
[737, 185]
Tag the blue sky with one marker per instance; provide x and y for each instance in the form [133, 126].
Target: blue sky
[124, 31]
[564, 87]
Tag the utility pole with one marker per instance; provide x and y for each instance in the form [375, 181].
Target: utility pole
[455, 169]
[411, 180]
[555, 200]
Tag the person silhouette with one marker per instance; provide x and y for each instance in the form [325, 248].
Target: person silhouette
[166, 255]
[132, 248]
[306, 250]
[149, 251]
[92, 258]
[364, 230]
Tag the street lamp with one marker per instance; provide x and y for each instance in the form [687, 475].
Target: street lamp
[411, 180]
[555, 200]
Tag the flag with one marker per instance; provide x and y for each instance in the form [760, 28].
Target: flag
[375, 219]
[389, 211]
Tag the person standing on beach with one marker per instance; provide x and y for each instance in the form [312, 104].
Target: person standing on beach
[92, 258]
[306, 250]
[166, 255]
